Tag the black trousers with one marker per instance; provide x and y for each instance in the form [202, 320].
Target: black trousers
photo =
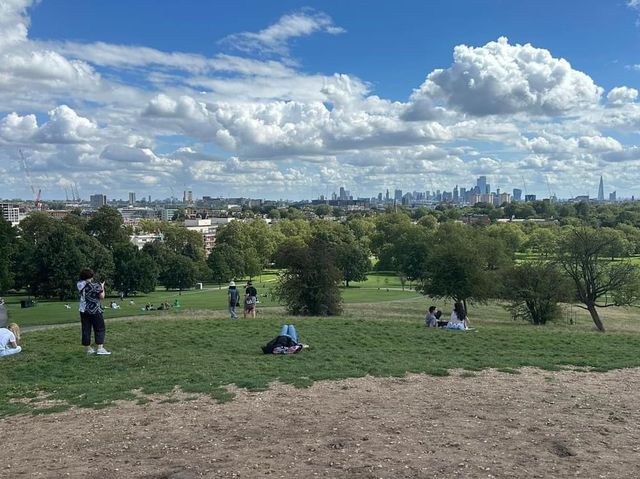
[89, 321]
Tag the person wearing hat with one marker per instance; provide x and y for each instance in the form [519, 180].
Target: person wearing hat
[234, 299]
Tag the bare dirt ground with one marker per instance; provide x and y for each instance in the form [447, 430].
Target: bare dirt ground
[534, 424]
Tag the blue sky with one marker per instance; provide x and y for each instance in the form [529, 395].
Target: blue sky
[294, 99]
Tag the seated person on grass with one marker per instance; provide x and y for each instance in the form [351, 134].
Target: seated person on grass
[458, 318]
[9, 338]
[431, 319]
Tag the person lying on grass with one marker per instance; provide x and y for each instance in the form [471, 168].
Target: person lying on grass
[285, 343]
[9, 338]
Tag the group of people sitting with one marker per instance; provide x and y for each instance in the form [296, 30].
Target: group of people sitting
[162, 306]
[458, 320]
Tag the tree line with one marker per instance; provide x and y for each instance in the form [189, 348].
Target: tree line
[532, 267]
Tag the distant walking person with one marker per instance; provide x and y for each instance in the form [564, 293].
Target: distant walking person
[9, 338]
[91, 312]
[233, 297]
[250, 300]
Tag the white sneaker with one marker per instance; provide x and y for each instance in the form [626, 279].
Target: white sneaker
[103, 352]
[90, 350]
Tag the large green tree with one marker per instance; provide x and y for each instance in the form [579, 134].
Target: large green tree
[51, 253]
[179, 272]
[225, 262]
[535, 289]
[464, 263]
[7, 250]
[309, 285]
[352, 259]
[107, 226]
[407, 252]
[584, 255]
[134, 270]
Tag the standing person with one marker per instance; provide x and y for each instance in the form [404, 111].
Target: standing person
[250, 299]
[9, 338]
[234, 299]
[91, 312]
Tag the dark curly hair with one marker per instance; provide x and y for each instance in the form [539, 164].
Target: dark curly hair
[86, 274]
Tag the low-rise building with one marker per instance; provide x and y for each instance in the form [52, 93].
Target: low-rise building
[207, 228]
[11, 213]
[142, 239]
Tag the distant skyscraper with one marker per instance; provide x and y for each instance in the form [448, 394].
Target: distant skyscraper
[456, 197]
[529, 198]
[613, 197]
[387, 195]
[187, 197]
[132, 198]
[98, 200]
[601, 190]
[343, 194]
[398, 195]
[517, 194]
[481, 184]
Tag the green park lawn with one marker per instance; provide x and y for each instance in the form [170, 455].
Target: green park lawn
[202, 352]
[211, 297]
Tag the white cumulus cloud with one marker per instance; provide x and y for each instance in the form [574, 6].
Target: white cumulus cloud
[66, 126]
[15, 128]
[621, 95]
[500, 78]
[14, 22]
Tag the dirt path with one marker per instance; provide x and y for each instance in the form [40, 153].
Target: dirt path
[533, 424]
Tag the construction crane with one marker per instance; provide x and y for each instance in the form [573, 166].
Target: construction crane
[76, 195]
[25, 166]
[524, 185]
[551, 194]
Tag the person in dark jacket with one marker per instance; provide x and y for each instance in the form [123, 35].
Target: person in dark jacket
[285, 343]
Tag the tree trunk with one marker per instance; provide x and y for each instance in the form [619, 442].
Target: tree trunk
[596, 318]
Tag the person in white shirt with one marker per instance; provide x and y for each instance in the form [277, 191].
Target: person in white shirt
[458, 318]
[9, 338]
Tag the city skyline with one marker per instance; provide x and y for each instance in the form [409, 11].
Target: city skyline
[300, 99]
[442, 193]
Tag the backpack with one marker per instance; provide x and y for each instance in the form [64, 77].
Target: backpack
[91, 293]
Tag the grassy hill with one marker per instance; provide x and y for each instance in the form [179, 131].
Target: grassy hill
[201, 351]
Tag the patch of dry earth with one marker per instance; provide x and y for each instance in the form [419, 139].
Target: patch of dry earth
[534, 424]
